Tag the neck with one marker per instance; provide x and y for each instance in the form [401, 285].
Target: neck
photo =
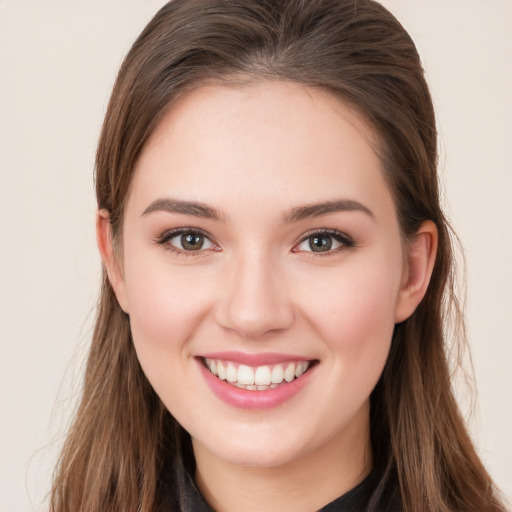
[306, 483]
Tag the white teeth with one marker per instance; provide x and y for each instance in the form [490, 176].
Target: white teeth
[231, 373]
[301, 368]
[277, 374]
[263, 376]
[221, 371]
[245, 375]
[289, 373]
[258, 378]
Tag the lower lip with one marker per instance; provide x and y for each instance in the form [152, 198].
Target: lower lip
[254, 400]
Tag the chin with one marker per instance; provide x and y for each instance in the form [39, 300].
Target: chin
[258, 458]
[262, 451]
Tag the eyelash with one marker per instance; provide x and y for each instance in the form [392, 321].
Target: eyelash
[345, 241]
[164, 239]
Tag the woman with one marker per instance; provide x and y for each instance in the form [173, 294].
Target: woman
[277, 274]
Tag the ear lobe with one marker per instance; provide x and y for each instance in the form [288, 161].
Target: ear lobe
[418, 270]
[110, 261]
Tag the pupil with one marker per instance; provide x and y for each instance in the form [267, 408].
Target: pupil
[192, 241]
[320, 243]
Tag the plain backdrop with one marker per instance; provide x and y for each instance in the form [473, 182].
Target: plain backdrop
[58, 61]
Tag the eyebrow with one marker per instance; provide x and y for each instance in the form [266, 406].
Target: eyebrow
[193, 208]
[198, 209]
[325, 208]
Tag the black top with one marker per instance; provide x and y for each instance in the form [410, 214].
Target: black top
[356, 500]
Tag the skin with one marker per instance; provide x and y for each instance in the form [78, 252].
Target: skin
[255, 153]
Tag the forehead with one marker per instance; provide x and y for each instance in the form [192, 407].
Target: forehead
[276, 142]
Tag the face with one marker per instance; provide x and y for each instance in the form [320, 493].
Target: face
[262, 270]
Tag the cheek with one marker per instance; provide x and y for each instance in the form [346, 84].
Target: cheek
[355, 323]
[166, 305]
[355, 313]
[166, 309]
[158, 311]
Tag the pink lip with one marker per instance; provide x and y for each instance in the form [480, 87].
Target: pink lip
[253, 400]
[254, 359]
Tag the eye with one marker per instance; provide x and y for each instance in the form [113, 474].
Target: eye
[186, 241]
[190, 242]
[324, 242]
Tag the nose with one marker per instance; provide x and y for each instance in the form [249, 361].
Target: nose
[255, 299]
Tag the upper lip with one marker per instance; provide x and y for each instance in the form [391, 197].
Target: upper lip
[250, 359]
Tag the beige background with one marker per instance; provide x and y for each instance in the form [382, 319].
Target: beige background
[58, 61]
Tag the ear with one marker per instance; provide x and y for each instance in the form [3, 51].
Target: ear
[111, 262]
[418, 270]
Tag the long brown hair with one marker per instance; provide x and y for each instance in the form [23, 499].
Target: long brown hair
[123, 440]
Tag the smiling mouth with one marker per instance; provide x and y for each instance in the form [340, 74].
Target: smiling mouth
[257, 378]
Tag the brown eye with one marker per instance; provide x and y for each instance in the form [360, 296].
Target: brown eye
[320, 243]
[190, 241]
[324, 242]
